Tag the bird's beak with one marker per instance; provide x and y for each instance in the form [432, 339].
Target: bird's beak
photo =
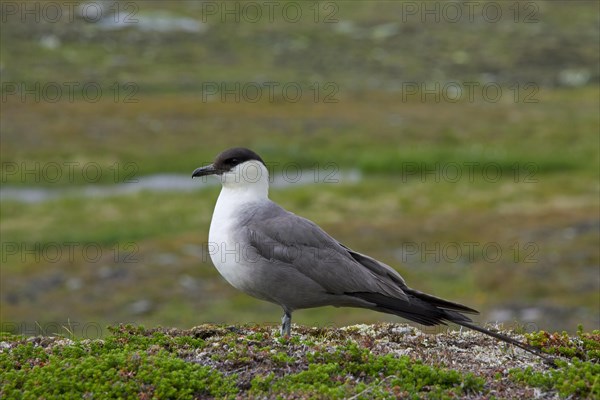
[203, 171]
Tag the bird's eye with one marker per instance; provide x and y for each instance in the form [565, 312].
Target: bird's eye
[234, 161]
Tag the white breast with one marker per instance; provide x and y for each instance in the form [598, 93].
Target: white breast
[227, 252]
[246, 185]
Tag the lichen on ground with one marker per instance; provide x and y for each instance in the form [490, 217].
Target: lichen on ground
[360, 362]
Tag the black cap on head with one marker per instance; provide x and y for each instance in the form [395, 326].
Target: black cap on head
[227, 160]
[234, 156]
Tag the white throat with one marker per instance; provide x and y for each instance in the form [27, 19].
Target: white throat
[246, 183]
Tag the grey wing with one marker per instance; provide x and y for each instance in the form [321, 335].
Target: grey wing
[284, 238]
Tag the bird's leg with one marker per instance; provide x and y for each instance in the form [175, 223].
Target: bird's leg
[286, 323]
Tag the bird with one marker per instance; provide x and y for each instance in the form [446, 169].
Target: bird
[275, 255]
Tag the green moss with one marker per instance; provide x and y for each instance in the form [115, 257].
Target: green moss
[135, 338]
[23, 357]
[116, 373]
[572, 379]
[351, 369]
[8, 336]
[585, 346]
[579, 377]
[282, 358]
[252, 361]
[133, 363]
[256, 336]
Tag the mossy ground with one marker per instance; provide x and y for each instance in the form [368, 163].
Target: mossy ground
[383, 361]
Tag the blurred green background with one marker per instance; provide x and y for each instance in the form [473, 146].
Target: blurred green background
[458, 143]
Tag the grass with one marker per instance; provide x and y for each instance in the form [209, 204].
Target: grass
[141, 257]
[379, 362]
[128, 257]
[420, 143]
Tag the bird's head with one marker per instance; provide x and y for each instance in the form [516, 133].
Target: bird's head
[237, 167]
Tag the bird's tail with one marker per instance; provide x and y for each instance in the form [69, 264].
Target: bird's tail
[504, 338]
[430, 310]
